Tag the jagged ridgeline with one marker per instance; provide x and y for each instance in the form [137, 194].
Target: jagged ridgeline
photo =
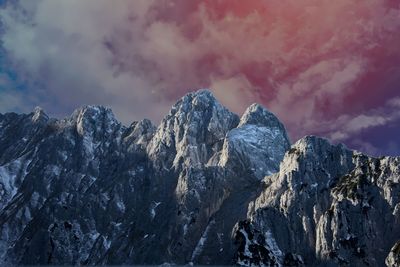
[204, 187]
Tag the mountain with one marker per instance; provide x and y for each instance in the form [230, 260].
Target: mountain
[327, 206]
[204, 187]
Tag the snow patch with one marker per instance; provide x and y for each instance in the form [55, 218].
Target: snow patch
[121, 206]
[273, 246]
[11, 175]
[199, 247]
[153, 208]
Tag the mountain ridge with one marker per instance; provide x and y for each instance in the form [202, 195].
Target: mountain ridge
[204, 187]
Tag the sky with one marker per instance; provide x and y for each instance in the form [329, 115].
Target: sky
[327, 68]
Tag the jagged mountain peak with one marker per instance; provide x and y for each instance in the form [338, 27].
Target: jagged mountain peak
[312, 140]
[198, 109]
[86, 190]
[93, 118]
[202, 93]
[258, 143]
[194, 104]
[314, 154]
[199, 96]
[193, 131]
[256, 114]
[316, 145]
[92, 111]
[39, 115]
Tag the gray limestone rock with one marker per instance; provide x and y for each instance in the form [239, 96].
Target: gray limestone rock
[328, 205]
[204, 187]
[393, 259]
[257, 145]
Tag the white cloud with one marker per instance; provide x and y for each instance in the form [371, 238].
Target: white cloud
[63, 47]
[298, 100]
[346, 127]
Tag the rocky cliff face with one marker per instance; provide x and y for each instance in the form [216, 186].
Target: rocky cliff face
[205, 187]
[327, 206]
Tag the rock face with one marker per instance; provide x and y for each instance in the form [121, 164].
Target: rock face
[205, 187]
[87, 190]
[394, 256]
[327, 206]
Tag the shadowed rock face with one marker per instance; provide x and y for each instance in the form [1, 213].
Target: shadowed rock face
[205, 187]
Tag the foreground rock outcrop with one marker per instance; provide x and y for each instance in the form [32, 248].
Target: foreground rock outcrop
[204, 187]
[327, 206]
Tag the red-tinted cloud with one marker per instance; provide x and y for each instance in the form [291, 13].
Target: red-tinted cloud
[320, 65]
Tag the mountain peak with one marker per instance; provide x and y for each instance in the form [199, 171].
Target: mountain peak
[198, 100]
[93, 112]
[85, 190]
[39, 115]
[260, 142]
[256, 114]
[92, 109]
[203, 93]
[89, 116]
[312, 153]
[315, 144]
[194, 129]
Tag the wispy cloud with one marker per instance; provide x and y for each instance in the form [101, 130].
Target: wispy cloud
[346, 126]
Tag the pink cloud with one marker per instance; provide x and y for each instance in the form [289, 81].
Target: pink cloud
[309, 61]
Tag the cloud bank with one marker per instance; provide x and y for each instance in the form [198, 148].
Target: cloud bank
[324, 67]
